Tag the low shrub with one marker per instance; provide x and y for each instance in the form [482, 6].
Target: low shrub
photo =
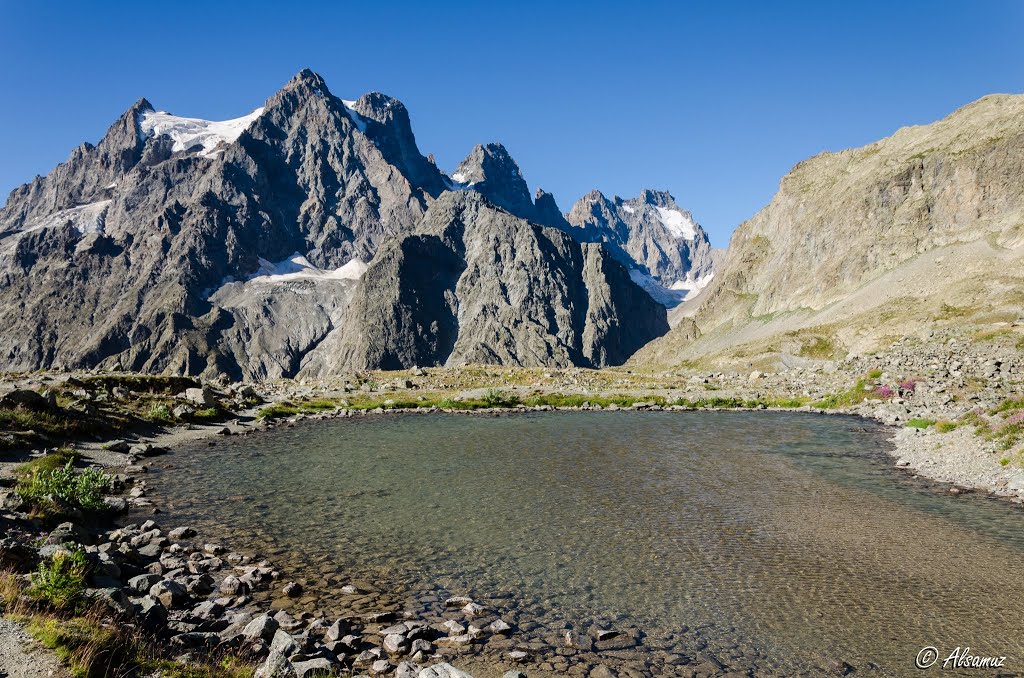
[945, 426]
[160, 412]
[59, 583]
[83, 490]
[498, 398]
[884, 392]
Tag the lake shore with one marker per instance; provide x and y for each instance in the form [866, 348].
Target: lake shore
[953, 437]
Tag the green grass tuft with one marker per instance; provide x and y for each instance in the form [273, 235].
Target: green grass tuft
[921, 423]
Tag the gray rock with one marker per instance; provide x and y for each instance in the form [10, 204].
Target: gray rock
[319, 666]
[144, 582]
[443, 670]
[180, 533]
[407, 670]
[276, 666]
[395, 643]
[283, 643]
[262, 627]
[169, 592]
[151, 613]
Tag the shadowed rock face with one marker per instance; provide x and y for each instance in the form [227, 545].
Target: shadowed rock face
[112, 258]
[475, 284]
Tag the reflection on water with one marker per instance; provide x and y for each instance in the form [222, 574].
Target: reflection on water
[775, 540]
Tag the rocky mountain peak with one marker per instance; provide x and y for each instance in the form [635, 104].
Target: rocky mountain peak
[546, 210]
[658, 240]
[492, 172]
[650, 196]
[306, 80]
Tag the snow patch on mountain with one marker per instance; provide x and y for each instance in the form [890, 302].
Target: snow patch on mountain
[297, 267]
[190, 133]
[677, 223]
[85, 218]
[666, 296]
[675, 294]
[356, 118]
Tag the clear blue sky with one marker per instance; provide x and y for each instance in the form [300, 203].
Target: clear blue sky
[712, 101]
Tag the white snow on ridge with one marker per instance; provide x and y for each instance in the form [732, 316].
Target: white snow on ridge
[677, 223]
[458, 182]
[693, 286]
[188, 133]
[665, 296]
[674, 295]
[628, 209]
[297, 267]
[356, 118]
[85, 218]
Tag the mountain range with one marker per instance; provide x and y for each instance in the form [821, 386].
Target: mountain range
[313, 237]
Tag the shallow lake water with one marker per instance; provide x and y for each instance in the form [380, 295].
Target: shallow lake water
[774, 541]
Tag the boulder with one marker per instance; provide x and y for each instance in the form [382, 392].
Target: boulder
[276, 666]
[24, 398]
[262, 627]
[203, 397]
[169, 592]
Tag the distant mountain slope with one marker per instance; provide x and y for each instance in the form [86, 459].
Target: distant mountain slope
[667, 251]
[856, 247]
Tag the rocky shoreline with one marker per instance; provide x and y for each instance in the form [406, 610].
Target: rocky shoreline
[196, 596]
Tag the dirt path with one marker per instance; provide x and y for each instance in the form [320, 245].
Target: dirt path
[23, 657]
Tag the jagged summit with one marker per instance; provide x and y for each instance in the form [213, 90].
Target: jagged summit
[491, 171]
[667, 251]
[306, 78]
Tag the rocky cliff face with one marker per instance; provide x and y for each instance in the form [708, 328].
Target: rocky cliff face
[475, 284]
[858, 240]
[668, 252]
[203, 247]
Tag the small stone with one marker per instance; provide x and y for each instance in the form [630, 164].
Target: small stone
[292, 589]
[380, 666]
[276, 666]
[499, 627]
[180, 533]
[454, 628]
[455, 641]
[395, 643]
[474, 610]
[143, 583]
